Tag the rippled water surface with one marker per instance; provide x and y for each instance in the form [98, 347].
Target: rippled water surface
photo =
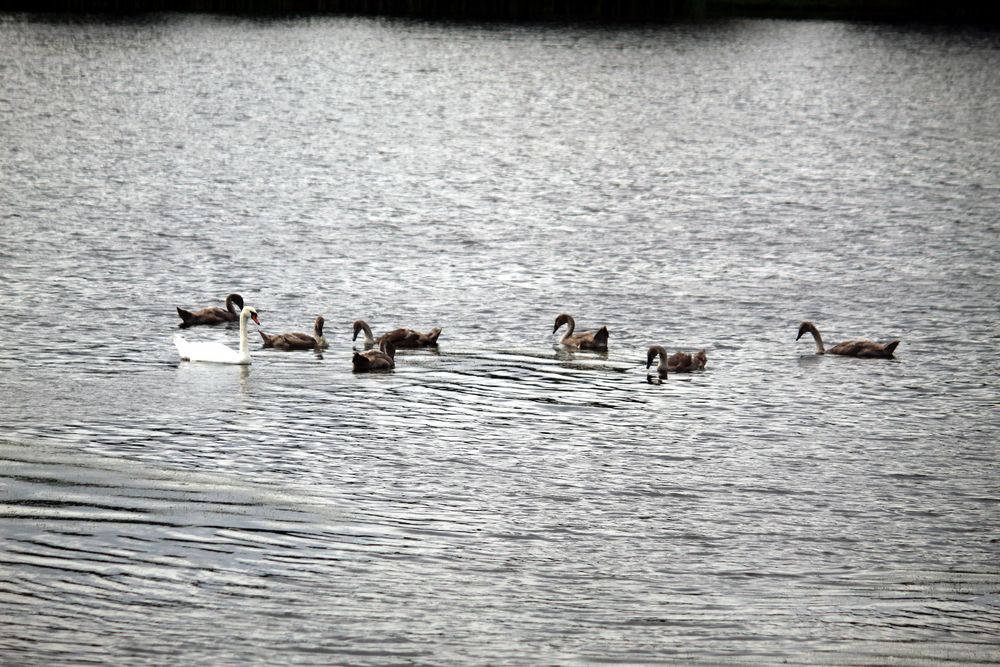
[499, 500]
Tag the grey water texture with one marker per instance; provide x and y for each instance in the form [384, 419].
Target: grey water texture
[499, 500]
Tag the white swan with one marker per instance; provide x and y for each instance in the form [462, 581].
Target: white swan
[217, 352]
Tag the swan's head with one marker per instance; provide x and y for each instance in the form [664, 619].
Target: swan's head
[652, 352]
[318, 325]
[359, 326]
[805, 327]
[236, 300]
[561, 320]
[252, 313]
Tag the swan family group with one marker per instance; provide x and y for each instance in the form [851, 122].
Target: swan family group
[380, 352]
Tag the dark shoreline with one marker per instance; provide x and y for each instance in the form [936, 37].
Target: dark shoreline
[956, 11]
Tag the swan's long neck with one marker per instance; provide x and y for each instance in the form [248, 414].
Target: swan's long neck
[661, 352]
[318, 333]
[369, 339]
[819, 340]
[230, 304]
[570, 327]
[244, 343]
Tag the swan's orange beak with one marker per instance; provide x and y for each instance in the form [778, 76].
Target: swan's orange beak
[255, 318]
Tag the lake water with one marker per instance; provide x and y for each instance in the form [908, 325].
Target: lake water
[499, 501]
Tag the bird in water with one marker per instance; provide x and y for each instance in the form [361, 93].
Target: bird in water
[585, 340]
[678, 362]
[297, 341]
[217, 352]
[382, 359]
[212, 315]
[399, 338]
[865, 349]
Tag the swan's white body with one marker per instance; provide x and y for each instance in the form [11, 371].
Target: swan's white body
[218, 353]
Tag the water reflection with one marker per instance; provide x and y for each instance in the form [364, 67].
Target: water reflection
[563, 353]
